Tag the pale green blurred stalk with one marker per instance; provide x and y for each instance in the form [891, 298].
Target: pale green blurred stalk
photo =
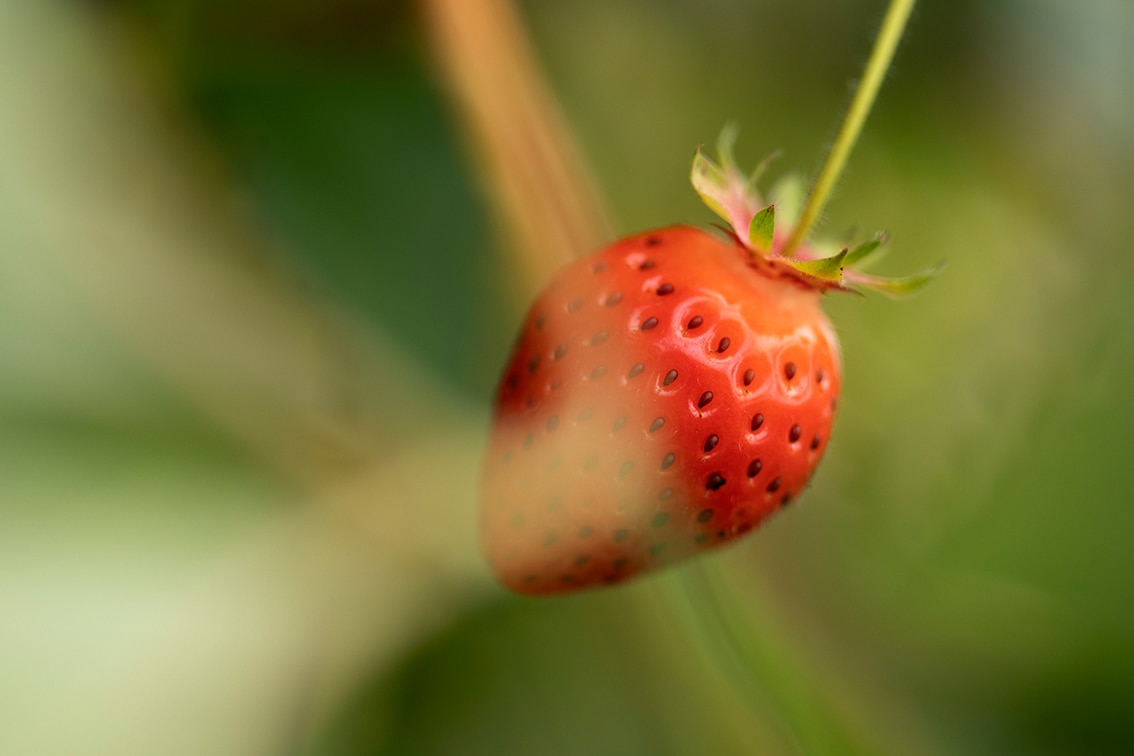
[134, 274]
[544, 199]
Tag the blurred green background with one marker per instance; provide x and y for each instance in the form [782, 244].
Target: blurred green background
[251, 316]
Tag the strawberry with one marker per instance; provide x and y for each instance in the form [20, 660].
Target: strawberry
[665, 396]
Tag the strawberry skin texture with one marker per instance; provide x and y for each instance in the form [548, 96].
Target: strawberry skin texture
[665, 396]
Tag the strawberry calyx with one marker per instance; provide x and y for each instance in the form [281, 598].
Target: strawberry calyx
[752, 224]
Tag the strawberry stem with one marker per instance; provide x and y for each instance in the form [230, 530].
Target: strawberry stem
[888, 36]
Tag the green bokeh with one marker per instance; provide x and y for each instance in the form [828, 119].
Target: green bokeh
[958, 578]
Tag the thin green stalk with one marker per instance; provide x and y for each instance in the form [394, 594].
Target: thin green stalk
[888, 37]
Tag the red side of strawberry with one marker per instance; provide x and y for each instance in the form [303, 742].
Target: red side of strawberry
[666, 395]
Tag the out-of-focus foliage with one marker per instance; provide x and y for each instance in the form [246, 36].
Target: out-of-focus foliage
[251, 313]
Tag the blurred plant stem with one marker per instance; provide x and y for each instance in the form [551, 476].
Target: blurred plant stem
[763, 666]
[543, 197]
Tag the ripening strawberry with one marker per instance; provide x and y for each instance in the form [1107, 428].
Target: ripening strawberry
[665, 396]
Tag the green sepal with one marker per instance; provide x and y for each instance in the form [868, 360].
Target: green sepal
[710, 182]
[866, 250]
[762, 229]
[895, 288]
[723, 188]
[826, 269]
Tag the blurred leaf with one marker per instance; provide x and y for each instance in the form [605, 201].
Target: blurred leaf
[788, 195]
